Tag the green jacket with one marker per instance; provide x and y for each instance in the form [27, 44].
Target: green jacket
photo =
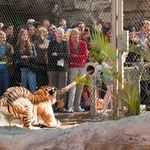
[7, 58]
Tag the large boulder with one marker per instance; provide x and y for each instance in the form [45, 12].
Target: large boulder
[132, 133]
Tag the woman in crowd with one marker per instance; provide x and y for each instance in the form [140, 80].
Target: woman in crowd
[45, 23]
[24, 58]
[52, 33]
[32, 32]
[10, 34]
[41, 46]
[58, 53]
[63, 24]
[107, 78]
[87, 37]
[77, 60]
[6, 52]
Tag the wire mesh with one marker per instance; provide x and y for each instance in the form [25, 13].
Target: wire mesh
[136, 20]
[16, 15]
[95, 14]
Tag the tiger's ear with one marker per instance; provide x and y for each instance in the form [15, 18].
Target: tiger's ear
[52, 91]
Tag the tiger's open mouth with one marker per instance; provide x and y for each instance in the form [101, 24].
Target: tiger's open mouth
[53, 91]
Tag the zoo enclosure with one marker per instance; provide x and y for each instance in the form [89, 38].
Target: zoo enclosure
[91, 11]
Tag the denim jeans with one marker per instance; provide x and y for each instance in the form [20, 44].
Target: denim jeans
[28, 79]
[4, 77]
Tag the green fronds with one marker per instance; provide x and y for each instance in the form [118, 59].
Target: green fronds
[131, 98]
[101, 48]
[145, 55]
[101, 51]
[82, 80]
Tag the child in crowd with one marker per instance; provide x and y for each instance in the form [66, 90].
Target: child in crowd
[104, 76]
[85, 98]
[108, 81]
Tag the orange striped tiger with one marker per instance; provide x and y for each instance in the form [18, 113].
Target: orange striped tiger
[26, 106]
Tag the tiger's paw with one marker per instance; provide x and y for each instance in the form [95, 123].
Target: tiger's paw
[54, 124]
[34, 128]
[58, 123]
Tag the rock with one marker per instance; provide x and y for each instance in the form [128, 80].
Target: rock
[132, 133]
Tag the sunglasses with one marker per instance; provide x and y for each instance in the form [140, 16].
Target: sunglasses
[51, 29]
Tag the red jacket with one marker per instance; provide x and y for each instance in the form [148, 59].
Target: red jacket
[78, 57]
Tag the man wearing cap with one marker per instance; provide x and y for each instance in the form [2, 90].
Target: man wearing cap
[32, 22]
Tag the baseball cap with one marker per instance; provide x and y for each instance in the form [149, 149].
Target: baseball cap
[30, 21]
[1, 25]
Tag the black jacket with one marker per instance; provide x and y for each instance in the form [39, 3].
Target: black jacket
[62, 50]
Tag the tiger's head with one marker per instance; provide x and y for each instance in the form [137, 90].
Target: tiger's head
[51, 92]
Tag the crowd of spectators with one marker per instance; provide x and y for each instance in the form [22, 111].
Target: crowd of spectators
[42, 53]
[139, 40]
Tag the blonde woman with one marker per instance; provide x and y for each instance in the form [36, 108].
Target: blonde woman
[41, 46]
[24, 57]
[77, 60]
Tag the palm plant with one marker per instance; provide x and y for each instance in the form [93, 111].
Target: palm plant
[102, 51]
[101, 48]
[130, 97]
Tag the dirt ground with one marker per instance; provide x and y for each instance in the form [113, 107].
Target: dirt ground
[66, 119]
[69, 119]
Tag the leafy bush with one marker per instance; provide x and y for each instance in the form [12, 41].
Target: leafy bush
[102, 51]
[131, 98]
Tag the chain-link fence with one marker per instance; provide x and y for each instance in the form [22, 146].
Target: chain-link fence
[17, 16]
[136, 20]
[86, 14]
[18, 12]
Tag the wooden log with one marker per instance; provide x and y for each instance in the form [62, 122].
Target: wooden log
[73, 84]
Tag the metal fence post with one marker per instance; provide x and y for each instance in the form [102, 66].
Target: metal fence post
[120, 52]
[114, 44]
[117, 34]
